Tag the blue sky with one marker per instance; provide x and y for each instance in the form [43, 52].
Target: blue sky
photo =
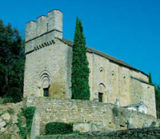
[126, 29]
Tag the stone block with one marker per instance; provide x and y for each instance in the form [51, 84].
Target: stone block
[2, 124]
[6, 117]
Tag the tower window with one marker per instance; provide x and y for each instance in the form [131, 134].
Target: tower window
[46, 92]
[100, 97]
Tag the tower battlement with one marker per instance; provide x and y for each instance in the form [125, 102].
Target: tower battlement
[43, 24]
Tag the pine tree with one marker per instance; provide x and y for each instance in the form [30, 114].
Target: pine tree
[80, 70]
[150, 78]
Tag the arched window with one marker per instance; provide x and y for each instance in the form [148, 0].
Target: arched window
[101, 87]
[101, 69]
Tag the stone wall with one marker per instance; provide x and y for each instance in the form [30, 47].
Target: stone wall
[149, 133]
[85, 116]
[8, 120]
[116, 81]
[78, 111]
[146, 92]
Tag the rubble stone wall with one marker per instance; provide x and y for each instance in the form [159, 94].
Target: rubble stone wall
[79, 111]
[8, 120]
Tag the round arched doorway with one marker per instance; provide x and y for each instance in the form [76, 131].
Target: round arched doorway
[45, 80]
[101, 92]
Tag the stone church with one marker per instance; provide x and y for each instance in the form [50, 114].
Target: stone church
[48, 68]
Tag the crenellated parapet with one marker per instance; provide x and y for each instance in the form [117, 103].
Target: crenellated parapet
[42, 24]
[45, 24]
[30, 30]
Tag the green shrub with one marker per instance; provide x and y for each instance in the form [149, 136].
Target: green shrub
[28, 114]
[10, 99]
[5, 100]
[21, 127]
[58, 128]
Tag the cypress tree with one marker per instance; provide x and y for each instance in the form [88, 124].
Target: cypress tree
[80, 70]
[157, 95]
[150, 78]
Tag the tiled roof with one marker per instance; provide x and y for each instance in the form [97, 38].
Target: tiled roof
[112, 59]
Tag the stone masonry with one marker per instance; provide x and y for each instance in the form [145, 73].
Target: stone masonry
[83, 114]
[48, 68]
[9, 120]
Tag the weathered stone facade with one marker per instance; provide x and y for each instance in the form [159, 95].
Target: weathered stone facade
[48, 66]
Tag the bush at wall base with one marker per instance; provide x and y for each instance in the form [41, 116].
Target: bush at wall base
[58, 128]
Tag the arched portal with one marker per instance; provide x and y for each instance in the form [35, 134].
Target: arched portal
[101, 92]
[45, 82]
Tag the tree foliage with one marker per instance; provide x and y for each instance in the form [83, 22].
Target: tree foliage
[80, 70]
[150, 78]
[58, 128]
[11, 63]
[157, 94]
[24, 126]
